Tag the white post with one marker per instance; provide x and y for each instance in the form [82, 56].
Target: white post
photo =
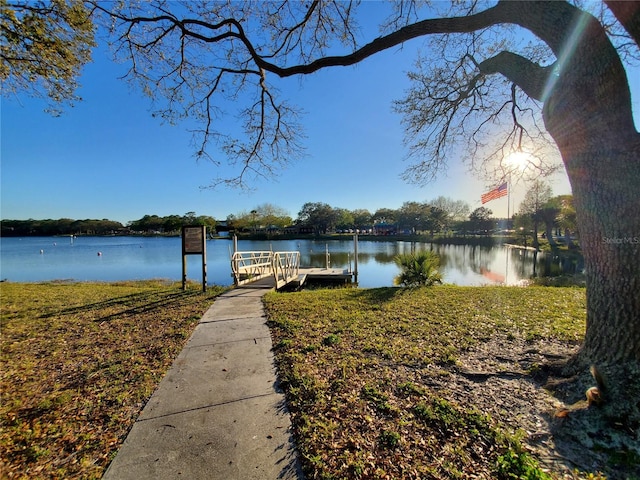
[236, 276]
[355, 255]
[327, 262]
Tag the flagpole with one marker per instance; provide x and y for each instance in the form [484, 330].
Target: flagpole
[508, 200]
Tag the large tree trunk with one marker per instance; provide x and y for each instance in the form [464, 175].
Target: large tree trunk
[589, 115]
[608, 207]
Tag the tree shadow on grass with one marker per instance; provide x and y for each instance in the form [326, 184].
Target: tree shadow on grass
[378, 295]
[132, 304]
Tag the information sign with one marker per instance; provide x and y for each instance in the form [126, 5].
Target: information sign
[192, 240]
[194, 243]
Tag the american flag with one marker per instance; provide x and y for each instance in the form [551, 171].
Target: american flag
[497, 192]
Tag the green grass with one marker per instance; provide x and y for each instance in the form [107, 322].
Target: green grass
[79, 361]
[362, 404]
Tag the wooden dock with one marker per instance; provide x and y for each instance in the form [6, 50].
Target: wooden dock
[282, 270]
[322, 275]
[306, 275]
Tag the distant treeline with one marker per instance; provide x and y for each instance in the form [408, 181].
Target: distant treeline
[62, 226]
[149, 224]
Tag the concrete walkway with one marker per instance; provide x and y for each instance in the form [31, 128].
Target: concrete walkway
[218, 412]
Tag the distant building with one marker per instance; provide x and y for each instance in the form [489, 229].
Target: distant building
[384, 228]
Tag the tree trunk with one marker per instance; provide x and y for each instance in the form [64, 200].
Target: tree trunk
[568, 240]
[589, 115]
[534, 242]
[608, 204]
[549, 234]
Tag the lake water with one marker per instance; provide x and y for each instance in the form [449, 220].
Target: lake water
[35, 259]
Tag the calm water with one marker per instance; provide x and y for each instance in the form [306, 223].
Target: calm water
[137, 258]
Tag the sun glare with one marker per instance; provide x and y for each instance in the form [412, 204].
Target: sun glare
[519, 161]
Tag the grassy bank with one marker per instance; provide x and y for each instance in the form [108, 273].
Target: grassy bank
[369, 376]
[79, 361]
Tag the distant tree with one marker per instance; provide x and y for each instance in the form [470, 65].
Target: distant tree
[438, 219]
[189, 218]
[480, 220]
[106, 226]
[320, 216]
[206, 221]
[265, 216]
[45, 44]
[273, 216]
[173, 223]
[456, 210]
[523, 226]
[414, 216]
[548, 215]
[63, 226]
[385, 215]
[236, 222]
[537, 195]
[567, 218]
[362, 218]
[344, 219]
[148, 223]
[241, 221]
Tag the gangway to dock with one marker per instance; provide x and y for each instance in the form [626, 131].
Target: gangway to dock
[248, 267]
[280, 270]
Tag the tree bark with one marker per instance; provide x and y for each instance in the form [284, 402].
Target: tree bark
[607, 206]
[587, 110]
[588, 113]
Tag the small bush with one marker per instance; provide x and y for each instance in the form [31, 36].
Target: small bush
[517, 464]
[418, 269]
[331, 339]
[389, 439]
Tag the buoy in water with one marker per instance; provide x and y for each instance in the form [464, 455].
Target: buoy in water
[41, 252]
[99, 254]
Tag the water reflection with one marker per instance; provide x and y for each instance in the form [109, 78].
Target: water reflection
[459, 264]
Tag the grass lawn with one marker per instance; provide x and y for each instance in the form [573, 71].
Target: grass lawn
[79, 361]
[363, 371]
[360, 369]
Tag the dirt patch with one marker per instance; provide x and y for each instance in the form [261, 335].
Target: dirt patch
[509, 380]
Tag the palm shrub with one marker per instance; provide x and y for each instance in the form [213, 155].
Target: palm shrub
[418, 269]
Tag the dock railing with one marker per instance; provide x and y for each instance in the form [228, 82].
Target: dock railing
[286, 267]
[248, 267]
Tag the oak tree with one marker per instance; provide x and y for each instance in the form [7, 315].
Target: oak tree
[196, 59]
[45, 44]
[570, 84]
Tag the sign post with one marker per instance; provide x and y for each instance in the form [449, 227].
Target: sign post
[194, 243]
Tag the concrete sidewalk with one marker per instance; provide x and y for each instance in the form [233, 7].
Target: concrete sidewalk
[218, 413]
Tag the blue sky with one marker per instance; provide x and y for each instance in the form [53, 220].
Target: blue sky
[108, 158]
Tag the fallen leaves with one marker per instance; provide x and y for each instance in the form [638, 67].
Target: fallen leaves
[372, 402]
[79, 363]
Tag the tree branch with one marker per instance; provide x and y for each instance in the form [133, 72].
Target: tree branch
[529, 76]
[468, 24]
[628, 14]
